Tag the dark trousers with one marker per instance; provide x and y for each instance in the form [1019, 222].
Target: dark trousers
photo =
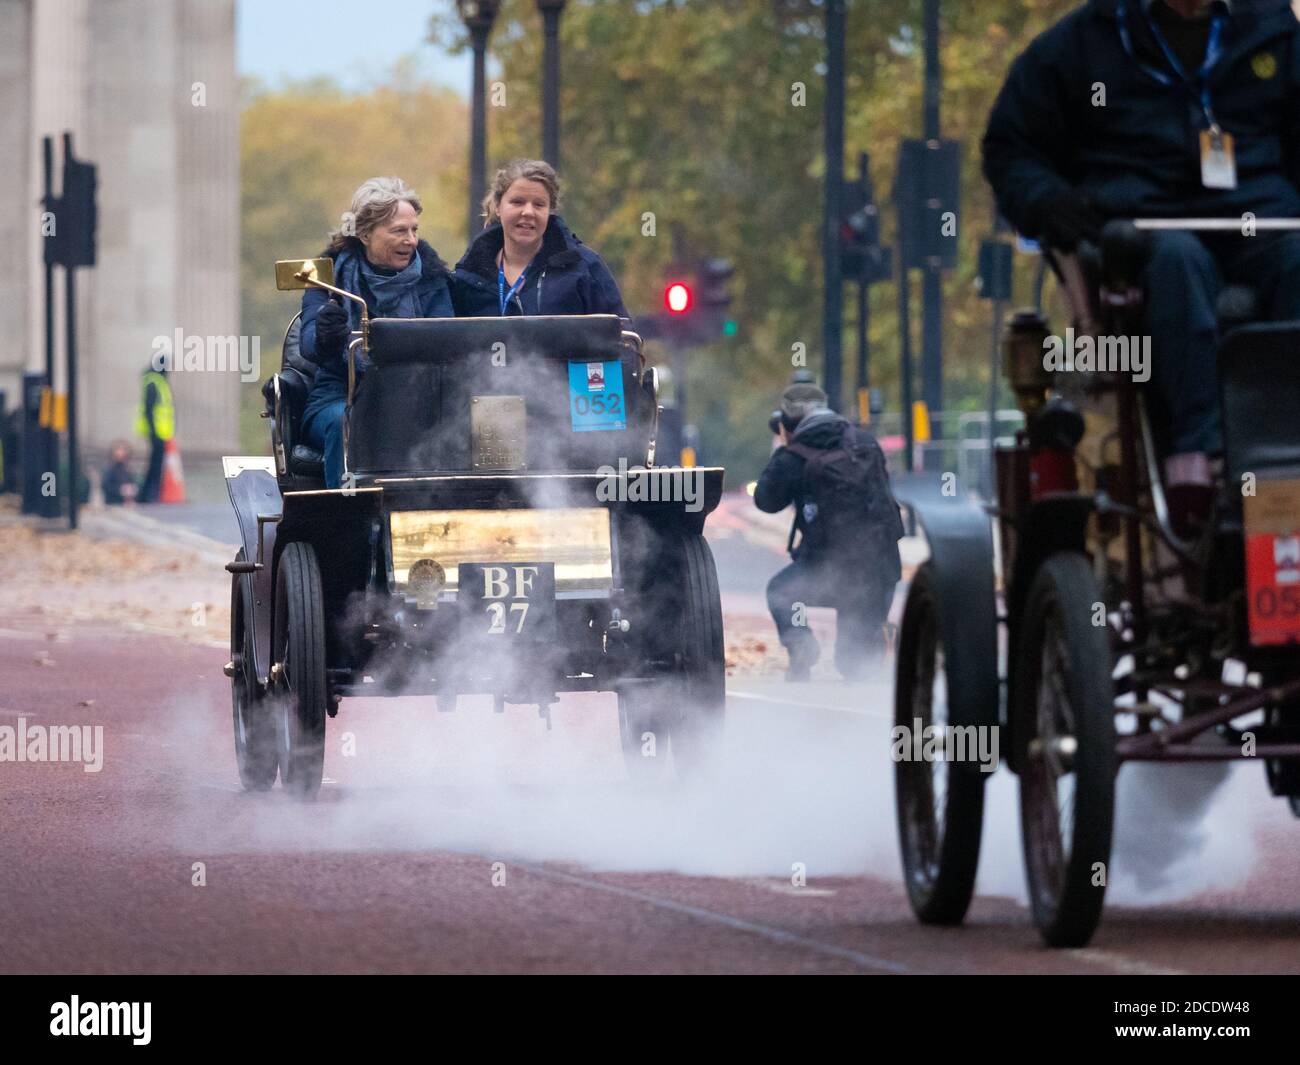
[861, 607]
[152, 486]
[1184, 277]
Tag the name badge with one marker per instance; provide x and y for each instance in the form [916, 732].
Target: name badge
[1218, 163]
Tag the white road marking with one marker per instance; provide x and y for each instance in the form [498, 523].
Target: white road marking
[731, 694]
[1122, 964]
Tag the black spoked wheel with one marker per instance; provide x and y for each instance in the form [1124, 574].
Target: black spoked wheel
[701, 704]
[256, 749]
[939, 806]
[1065, 728]
[298, 650]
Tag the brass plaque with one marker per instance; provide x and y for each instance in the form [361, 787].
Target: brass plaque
[576, 539]
[293, 274]
[498, 435]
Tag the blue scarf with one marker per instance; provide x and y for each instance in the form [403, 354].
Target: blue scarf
[395, 295]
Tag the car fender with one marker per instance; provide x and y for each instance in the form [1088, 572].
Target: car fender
[960, 538]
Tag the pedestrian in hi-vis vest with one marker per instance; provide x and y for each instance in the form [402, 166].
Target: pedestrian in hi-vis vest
[848, 527]
[156, 422]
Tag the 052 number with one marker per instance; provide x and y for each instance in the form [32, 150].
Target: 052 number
[497, 626]
[1267, 603]
[596, 405]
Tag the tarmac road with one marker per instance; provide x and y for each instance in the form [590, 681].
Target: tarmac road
[475, 842]
[471, 842]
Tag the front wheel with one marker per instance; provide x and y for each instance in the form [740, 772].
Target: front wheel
[939, 806]
[298, 654]
[701, 707]
[1065, 729]
[645, 728]
[256, 751]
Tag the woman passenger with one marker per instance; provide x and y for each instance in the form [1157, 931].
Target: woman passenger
[396, 273]
[527, 261]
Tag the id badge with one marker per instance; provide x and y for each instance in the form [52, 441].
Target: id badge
[1218, 163]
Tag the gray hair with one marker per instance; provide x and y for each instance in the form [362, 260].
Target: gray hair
[373, 204]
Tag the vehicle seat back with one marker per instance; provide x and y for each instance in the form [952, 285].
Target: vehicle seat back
[420, 406]
[1260, 378]
[301, 466]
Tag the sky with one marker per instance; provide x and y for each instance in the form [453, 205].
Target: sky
[278, 40]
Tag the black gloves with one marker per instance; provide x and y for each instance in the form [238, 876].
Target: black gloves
[332, 329]
[1067, 218]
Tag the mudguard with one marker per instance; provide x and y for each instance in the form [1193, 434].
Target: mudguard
[254, 494]
[961, 554]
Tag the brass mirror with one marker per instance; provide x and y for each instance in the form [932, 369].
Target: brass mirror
[293, 274]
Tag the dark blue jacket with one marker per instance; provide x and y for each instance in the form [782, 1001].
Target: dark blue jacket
[1139, 155]
[332, 376]
[566, 277]
[782, 483]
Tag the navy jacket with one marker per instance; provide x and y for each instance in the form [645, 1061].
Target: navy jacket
[566, 277]
[1139, 155]
[782, 483]
[332, 376]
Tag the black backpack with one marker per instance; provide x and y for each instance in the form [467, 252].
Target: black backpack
[854, 517]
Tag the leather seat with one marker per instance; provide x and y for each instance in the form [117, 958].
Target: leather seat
[301, 465]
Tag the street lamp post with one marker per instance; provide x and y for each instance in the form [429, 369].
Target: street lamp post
[478, 16]
[551, 11]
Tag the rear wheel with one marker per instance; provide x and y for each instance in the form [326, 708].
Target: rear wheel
[1065, 727]
[256, 752]
[939, 805]
[298, 649]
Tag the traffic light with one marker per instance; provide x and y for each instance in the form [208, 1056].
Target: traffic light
[715, 298]
[76, 216]
[678, 297]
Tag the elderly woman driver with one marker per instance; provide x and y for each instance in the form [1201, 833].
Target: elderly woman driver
[396, 273]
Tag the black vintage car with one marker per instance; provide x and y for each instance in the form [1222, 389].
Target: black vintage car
[1101, 635]
[502, 530]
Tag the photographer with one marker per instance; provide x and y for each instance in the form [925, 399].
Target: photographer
[848, 525]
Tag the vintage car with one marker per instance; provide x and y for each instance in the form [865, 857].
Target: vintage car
[502, 530]
[1119, 640]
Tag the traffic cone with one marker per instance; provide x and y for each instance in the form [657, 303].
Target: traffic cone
[173, 480]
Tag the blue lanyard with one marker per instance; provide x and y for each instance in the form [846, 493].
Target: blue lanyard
[1213, 51]
[502, 295]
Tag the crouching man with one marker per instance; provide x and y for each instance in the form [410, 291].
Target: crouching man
[848, 527]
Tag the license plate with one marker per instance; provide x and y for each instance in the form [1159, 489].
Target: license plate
[1273, 562]
[508, 601]
[596, 399]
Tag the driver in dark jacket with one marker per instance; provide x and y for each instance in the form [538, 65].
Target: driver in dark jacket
[1164, 108]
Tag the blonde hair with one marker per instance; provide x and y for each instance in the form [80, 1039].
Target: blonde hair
[516, 170]
[373, 204]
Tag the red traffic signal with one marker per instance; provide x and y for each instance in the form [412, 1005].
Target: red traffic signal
[678, 298]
